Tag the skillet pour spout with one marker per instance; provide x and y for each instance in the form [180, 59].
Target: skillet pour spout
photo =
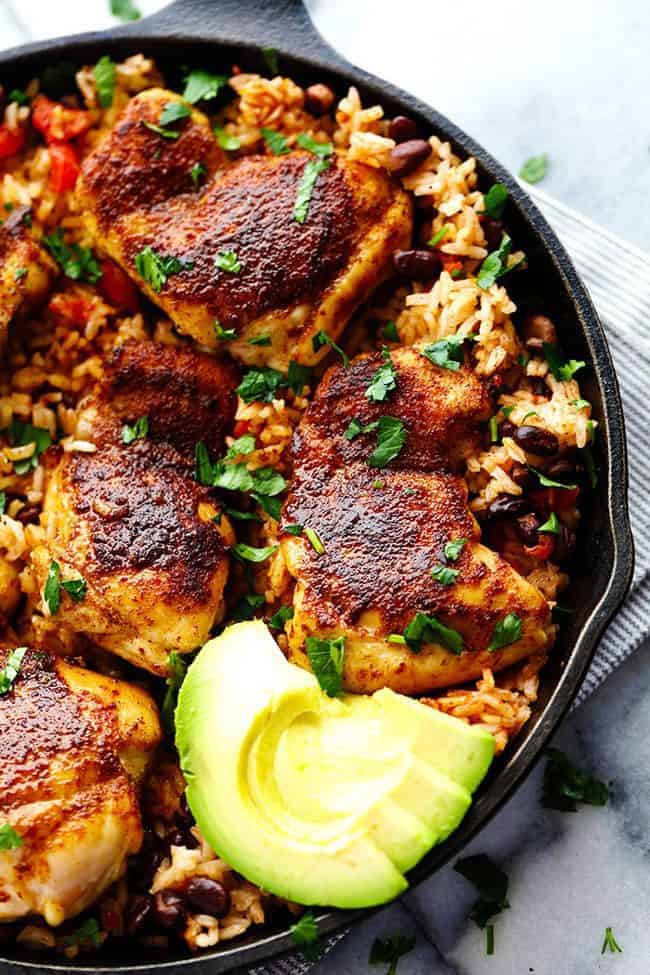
[216, 35]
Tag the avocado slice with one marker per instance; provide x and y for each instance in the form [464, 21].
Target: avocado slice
[320, 800]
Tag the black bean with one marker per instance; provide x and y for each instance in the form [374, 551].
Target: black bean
[424, 206]
[523, 476]
[507, 504]
[207, 896]
[417, 265]
[564, 471]
[138, 911]
[402, 129]
[182, 837]
[183, 814]
[527, 527]
[152, 853]
[493, 230]
[537, 440]
[168, 909]
[407, 156]
[507, 429]
[538, 386]
[539, 327]
[318, 99]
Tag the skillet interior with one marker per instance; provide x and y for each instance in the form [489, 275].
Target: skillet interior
[197, 33]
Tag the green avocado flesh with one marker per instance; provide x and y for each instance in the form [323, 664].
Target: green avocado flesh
[320, 800]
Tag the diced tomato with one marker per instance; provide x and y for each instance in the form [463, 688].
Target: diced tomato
[64, 168]
[58, 123]
[241, 427]
[554, 499]
[72, 308]
[10, 141]
[450, 263]
[544, 548]
[117, 287]
[565, 498]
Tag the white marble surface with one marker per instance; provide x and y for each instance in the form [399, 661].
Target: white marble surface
[569, 77]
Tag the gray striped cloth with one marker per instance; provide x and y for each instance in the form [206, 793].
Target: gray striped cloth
[617, 275]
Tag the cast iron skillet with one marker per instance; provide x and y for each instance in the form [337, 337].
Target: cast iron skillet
[214, 34]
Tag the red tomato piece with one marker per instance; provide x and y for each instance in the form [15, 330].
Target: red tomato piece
[117, 287]
[58, 123]
[544, 548]
[64, 168]
[10, 141]
[241, 427]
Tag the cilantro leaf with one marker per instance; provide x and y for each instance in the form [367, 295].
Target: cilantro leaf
[453, 548]
[3, 502]
[565, 785]
[77, 263]
[20, 273]
[311, 172]
[246, 606]
[389, 332]
[311, 145]
[172, 112]
[388, 951]
[491, 884]
[20, 434]
[322, 338]
[197, 173]
[89, 932]
[447, 353]
[355, 428]
[610, 943]
[275, 141]
[11, 669]
[138, 431]
[260, 384]
[283, 615]
[391, 437]
[427, 629]
[270, 56]
[159, 130]
[224, 334]
[228, 142]
[326, 659]
[495, 200]
[549, 482]
[248, 553]
[228, 261]
[18, 96]
[444, 575]
[104, 73]
[305, 935]
[496, 264]
[551, 525]
[534, 169]
[384, 380]
[298, 377]
[203, 86]
[76, 588]
[562, 371]
[125, 10]
[177, 670]
[9, 838]
[292, 529]
[156, 269]
[506, 631]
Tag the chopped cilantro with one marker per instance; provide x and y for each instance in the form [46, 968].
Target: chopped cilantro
[389, 332]
[551, 525]
[89, 932]
[197, 173]
[11, 669]
[241, 446]
[138, 431]
[506, 631]
[292, 529]
[172, 112]
[3, 502]
[496, 264]
[384, 380]
[177, 669]
[275, 141]
[311, 172]
[241, 515]
[9, 838]
[491, 884]
[77, 263]
[156, 269]
[534, 169]
[388, 951]
[270, 56]
[396, 638]
[439, 236]
[565, 785]
[444, 575]
[246, 606]
[314, 540]
[610, 943]
[355, 428]
[453, 548]
[326, 659]
[260, 340]
[378, 484]
[527, 415]
[248, 553]
[298, 377]
[549, 482]
[562, 371]
[228, 142]
[580, 404]
[391, 437]
[283, 615]
[18, 96]
[223, 334]
[228, 261]
[203, 86]
[322, 338]
[20, 273]
[311, 145]
[427, 629]
[489, 939]
[20, 434]
[494, 430]
[124, 9]
[495, 200]
[104, 73]
[447, 353]
[159, 130]
[76, 588]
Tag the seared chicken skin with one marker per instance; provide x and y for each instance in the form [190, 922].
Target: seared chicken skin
[26, 272]
[383, 531]
[73, 747]
[131, 519]
[293, 280]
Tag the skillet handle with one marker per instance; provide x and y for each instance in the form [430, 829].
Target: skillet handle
[284, 25]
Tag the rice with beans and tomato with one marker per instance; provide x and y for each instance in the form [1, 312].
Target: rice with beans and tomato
[441, 288]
